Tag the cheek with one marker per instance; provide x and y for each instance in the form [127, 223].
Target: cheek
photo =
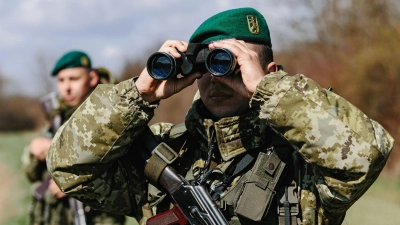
[61, 88]
[77, 87]
[82, 88]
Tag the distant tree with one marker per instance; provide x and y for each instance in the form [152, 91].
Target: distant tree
[355, 50]
[131, 68]
[2, 82]
[18, 112]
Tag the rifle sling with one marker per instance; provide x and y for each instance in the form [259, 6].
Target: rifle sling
[161, 155]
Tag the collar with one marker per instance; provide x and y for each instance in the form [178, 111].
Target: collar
[234, 135]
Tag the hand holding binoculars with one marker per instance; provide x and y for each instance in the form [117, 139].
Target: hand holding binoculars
[219, 62]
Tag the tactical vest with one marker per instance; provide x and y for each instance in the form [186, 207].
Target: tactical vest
[264, 194]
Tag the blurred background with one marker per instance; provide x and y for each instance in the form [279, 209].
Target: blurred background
[352, 46]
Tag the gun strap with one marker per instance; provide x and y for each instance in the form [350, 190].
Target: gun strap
[42, 188]
[161, 155]
[243, 163]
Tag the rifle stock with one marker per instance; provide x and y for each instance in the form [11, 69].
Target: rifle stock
[48, 103]
[78, 211]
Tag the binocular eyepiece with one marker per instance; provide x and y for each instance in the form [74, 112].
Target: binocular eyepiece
[219, 62]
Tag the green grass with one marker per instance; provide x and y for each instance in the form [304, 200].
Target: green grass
[15, 190]
[380, 204]
[16, 196]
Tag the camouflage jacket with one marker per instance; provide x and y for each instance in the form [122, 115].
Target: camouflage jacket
[50, 210]
[341, 151]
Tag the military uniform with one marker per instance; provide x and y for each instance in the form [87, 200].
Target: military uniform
[309, 148]
[337, 151]
[47, 209]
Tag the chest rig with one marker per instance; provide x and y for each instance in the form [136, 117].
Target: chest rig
[259, 185]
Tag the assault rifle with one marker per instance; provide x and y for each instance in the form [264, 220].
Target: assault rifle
[49, 103]
[193, 204]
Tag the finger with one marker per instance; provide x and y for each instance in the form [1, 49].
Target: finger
[231, 44]
[186, 81]
[171, 50]
[173, 46]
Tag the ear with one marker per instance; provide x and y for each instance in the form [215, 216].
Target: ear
[94, 78]
[271, 67]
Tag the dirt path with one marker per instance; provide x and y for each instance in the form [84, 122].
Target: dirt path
[5, 193]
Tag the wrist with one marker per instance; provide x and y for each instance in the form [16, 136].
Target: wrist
[144, 91]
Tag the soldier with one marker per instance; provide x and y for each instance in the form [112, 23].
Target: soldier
[311, 153]
[75, 81]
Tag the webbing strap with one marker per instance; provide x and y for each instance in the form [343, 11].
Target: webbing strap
[159, 155]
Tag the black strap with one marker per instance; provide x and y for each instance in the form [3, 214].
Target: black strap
[148, 141]
[245, 161]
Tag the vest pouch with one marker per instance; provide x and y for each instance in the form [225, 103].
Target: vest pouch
[259, 189]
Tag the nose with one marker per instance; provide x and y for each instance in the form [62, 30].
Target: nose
[67, 86]
[214, 79]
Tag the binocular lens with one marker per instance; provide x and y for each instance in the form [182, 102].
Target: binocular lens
[161, 66]
[220, 62]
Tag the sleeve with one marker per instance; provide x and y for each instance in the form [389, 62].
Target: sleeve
[33, 168]
[90, 158]
[347, 149]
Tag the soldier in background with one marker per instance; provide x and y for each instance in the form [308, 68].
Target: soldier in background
[75, 81]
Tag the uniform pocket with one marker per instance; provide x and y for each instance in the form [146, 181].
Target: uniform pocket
[259, 190]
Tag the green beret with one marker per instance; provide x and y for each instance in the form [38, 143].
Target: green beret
[71, 60]
[242, 24]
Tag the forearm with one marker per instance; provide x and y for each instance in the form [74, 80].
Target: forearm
[329, 132]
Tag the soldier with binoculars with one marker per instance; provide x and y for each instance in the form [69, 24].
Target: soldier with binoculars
[266, 147]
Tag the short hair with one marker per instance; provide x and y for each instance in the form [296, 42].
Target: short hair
[264, 53]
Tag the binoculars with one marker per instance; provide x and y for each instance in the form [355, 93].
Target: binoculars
[197, 58]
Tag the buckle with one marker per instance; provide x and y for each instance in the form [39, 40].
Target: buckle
[292, 200]
[166, 153]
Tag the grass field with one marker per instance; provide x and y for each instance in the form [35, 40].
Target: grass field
[380, 205]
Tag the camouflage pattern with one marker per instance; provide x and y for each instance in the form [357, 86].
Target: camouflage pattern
[339, 151]
[51, 210]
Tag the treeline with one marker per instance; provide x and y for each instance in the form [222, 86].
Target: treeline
[356, 51]
[354, 48]
[18, 112]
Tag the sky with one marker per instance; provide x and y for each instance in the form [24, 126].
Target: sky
[35, 33]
